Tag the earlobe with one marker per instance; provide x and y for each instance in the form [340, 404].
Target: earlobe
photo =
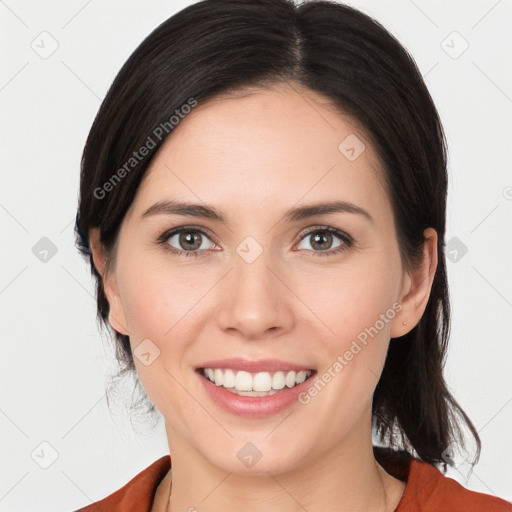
[116, 315]
[416, 288]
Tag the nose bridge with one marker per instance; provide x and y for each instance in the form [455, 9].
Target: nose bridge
[253, 299]
[253, 279]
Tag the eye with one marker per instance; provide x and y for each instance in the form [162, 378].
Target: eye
[186, 241]
[322, 241]
[191, 241]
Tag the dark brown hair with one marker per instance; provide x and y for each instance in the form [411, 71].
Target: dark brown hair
[219, 46]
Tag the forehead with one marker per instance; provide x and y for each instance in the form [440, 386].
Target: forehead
[260, 146]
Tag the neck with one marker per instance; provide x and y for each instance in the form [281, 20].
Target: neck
[345, 478]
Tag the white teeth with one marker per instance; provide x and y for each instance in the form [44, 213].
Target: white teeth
[243, 381]
[301, 377]
[229, 379]
[256, 384]
[262, 382]
[278, 380]
[290, 379]
[219, 377]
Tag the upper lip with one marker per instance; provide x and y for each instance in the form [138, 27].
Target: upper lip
[255, 366]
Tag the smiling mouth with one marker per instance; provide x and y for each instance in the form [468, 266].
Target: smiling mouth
[244, 383]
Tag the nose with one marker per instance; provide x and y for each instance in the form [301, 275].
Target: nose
[255, 301]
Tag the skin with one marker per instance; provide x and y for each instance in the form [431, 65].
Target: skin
[253, 157]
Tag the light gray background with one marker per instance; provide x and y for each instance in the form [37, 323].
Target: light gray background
[54, 362]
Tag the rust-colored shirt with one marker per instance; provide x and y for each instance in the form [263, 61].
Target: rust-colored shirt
[427, 490]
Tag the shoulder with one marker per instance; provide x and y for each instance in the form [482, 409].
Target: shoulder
[428, 490]
[137, 495]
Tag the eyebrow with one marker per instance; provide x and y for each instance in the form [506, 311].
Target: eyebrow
[172, 207]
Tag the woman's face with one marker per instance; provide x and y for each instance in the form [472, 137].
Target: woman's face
[257, 286]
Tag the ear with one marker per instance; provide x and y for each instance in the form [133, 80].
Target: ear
[116, 317]
[416, 288]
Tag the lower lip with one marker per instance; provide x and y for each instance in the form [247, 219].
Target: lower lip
[255, 406]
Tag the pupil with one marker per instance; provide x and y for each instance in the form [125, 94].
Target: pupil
[317, 239]
[188, 239]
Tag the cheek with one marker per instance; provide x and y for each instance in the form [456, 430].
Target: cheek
[159, 306]
[163, 305]
[156, 298]
[351, 359]
[352, 300]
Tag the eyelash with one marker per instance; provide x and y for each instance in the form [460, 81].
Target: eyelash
[347, 240]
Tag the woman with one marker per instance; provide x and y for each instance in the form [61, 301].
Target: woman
[263, 202]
